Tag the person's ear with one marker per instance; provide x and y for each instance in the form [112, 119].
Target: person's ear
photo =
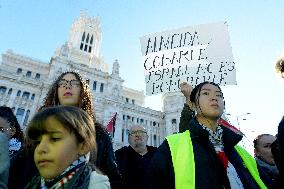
[83, 148]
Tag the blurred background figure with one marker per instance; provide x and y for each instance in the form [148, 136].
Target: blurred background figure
[277, 149]
[10, 126]
[133, 160]
[4, 160]
[264, 158]
[279, 67]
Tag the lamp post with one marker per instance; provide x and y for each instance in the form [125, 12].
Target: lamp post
[238, 117]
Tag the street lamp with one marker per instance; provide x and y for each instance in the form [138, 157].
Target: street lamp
[239, 116]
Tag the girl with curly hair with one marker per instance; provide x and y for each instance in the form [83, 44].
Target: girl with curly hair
[70, 89]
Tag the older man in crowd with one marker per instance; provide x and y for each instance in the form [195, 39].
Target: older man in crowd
[133, 160]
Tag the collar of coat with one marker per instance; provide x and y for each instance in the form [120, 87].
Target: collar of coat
[230, 138]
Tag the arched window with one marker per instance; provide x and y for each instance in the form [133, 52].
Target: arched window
[86, 48]
[26, 118]
[26, 95]
[37, 76]
[19, 93]
[91, 41]
[28, 74]
[3, 89]
[83, 37]
[10, 91]
[19, 70]
[20, 114]
[33, 97]
[94, 86]
[102, 88]
[87, 40]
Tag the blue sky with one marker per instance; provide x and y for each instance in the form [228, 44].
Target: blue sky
[36, 28]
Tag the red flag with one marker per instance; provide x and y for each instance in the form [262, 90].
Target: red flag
[224, 123]
[111, 124]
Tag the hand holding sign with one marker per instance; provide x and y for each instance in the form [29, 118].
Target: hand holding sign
[192, 54]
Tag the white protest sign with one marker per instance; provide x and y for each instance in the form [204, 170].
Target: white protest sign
[191, 54]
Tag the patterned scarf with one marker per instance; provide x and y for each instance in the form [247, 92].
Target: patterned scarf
[67, 175]
[14, 146]
[216, 138]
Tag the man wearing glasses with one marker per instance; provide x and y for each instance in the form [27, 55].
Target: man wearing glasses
[133, 160]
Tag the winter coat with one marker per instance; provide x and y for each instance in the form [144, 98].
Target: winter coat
[106, 161]
[4, 161]
[209, 170]
[133, 166]
[277, 149]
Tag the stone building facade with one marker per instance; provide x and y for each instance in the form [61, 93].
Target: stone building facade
[24, 83]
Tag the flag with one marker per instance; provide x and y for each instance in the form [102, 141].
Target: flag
[224, 123]
[111, 124]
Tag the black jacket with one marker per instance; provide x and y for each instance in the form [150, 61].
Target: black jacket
[23, 169]
[277, 149]
[133, 166]
[209, 171]
[186, 115]
[106, 161]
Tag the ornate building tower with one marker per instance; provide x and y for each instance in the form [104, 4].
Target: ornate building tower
[84, 43]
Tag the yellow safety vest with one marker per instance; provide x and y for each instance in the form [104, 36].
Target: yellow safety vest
[183, 161]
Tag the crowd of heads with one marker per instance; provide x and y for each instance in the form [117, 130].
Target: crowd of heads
[64, 128]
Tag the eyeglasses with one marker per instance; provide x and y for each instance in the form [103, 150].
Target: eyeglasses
[4, 129]
[139, 132]
[73, 83]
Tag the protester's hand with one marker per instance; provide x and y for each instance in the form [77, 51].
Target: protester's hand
[186, 89]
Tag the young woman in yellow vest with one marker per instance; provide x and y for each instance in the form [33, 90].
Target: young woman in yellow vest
[206, 155]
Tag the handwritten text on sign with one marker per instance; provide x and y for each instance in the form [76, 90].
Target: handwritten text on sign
[192, 54]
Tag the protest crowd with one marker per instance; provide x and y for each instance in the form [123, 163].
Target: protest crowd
[65, 147]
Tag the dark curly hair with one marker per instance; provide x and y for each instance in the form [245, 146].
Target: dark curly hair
[7, 114]
[279, 67]
[86, 99]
